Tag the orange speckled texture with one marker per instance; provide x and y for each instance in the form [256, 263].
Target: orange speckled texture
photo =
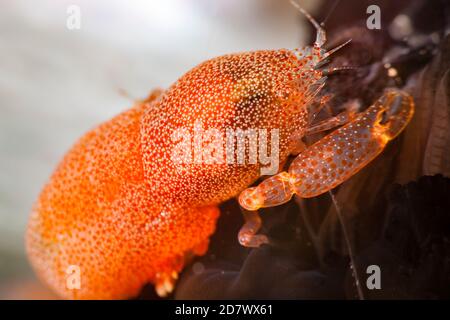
[117, 206]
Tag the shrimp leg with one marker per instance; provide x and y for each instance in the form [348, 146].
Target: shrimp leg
[337, 156]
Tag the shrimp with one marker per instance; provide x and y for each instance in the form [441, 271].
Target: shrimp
[121, 209]
[331, 160]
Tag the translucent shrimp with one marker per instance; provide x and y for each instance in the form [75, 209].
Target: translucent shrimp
[337, 156]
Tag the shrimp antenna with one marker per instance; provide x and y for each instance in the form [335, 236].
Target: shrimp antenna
[328, 72]
[330, 12]
[321, 37]
[330, 52]
[324, 59]
[348, 243]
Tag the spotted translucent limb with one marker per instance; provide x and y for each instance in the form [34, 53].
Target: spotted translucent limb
[337, 156]
[248, 236]
[344, 117]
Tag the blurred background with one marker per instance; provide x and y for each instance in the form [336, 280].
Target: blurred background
[57, 83]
